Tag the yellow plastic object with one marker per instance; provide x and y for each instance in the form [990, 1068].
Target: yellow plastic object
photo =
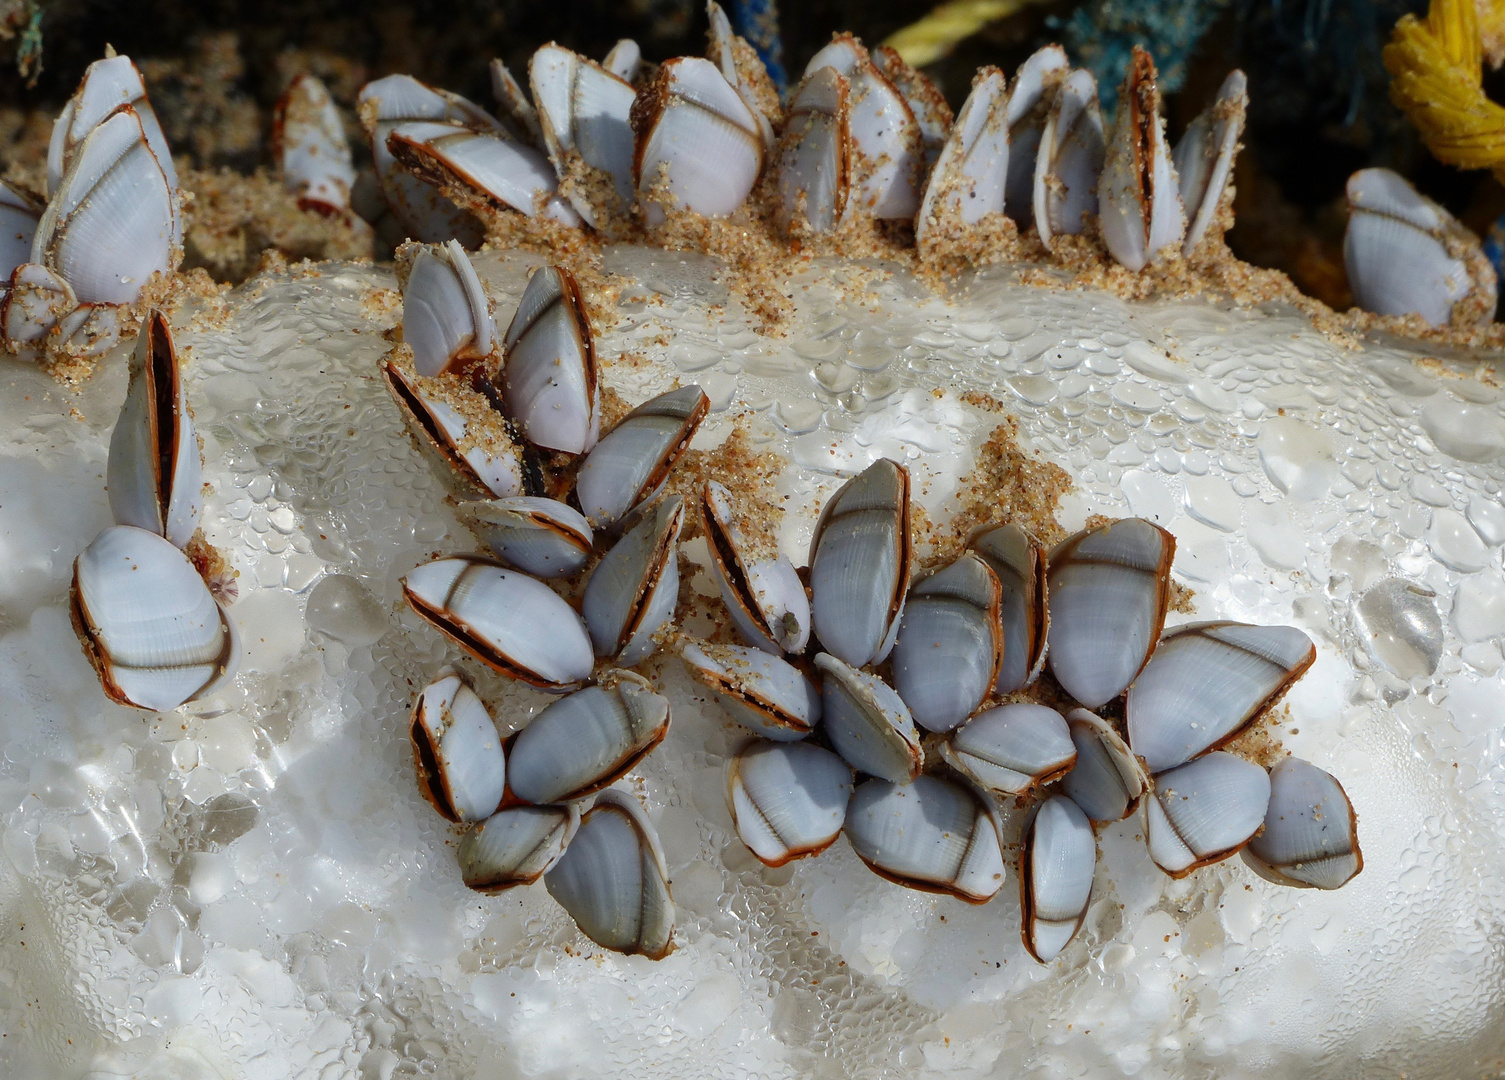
[932, 37]
[1436, 70]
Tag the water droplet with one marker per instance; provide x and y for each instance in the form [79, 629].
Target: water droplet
[1362, 561]
[1154, 363]
[1479, 608]
[1298, 458]
[1455, 543]
[1211, 501]
[1488, 518]
[342, 607]
[1401, 626]
[1275, 537]
[1034, 389]
[1466, 432]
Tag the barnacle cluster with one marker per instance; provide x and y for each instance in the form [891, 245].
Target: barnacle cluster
[973, 670]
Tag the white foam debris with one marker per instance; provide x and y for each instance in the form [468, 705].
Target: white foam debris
[252, 886]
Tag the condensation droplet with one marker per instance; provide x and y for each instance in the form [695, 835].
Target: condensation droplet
[1466, 432]
[1298, 458]
[1455, 543]
[1401, 626]
[342, 607]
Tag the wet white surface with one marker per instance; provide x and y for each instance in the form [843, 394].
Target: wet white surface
[252, 886]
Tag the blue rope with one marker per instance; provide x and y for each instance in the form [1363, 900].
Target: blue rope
[758, 22]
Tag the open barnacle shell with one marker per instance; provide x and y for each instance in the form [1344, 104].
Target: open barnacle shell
[423, 212]
[1019, 561]
[446, 318]
[739, 64]
[1139, 201]
[860, 564]
[155, 474]
[888, 151]
[1206, 683]
[1204, 811]
[814, 154]
[765, 599]
[624, 60]
[308, 141]
[700, 147]
[509, 621]
[788, 800]
[950, 643]
[1204, 158]
[762, 692]
[538, 536]
[633, 460]
[1011, 749]
[1069, 159]
[967, 181]
[457, 754]
[932, 835]
[549, 379]
[147, 622]
[1107, 780]
[613, 881]
[585, 113]
[632, 591]
[480, 167]
[586, 741]
[488, 461]
[1029, 105]
[20, 211]
[1406, 255]
[516, 846]
[1310, 837]
[925, 100]
[867, 723]
[517, 112]
[1109, 589]
[1057, 860]
[107, 84]
[113, 221]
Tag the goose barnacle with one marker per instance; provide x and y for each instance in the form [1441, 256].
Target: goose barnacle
[587, 740]
[1139, 202]
[155, 473]
[549, 380]
[147, 622]
[457, 754]
[932, 835]
[516, 846]
[765, 598]
[1019, 561]
[633, 460]
[1011, 749]
[760, 691]
[308, 141]
[484, 459]
[507, 620]
[1108, 592]
[1057, 859]
[860, 564]
[788, 800]
[950, 643]
[538, 536]
[446, 318]
[1204, 811]
[632, 591]
[1310, 836]
[700, 146]
[613, 881]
